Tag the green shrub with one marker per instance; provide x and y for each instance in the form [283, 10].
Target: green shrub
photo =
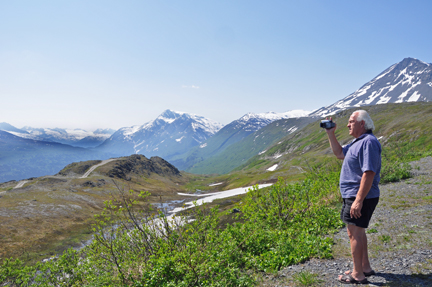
[395, 171]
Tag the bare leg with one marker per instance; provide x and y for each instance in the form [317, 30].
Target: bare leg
[357, 237]
[365, 260]
[365, 263]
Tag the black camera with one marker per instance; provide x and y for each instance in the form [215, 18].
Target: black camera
[327, 124]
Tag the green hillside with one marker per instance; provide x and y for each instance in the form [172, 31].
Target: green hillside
[239, 152]
[227, 136]
[402, 127]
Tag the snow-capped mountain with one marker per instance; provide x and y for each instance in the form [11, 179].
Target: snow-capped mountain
[169, 134]
[407, 81]
[230, 134]
[73, 137]
[252, 122]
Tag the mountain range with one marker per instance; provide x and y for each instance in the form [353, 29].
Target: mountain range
[23, 158]
[197, 144]
[75, 137]
[218, 146]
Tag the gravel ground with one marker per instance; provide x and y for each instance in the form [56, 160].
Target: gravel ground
[399, 236]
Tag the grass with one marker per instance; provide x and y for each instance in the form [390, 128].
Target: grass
[306, 278]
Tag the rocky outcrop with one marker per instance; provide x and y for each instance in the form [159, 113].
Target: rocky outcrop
[140, 165]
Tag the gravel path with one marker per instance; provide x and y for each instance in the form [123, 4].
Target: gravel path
[21, 184]
[400, 239]
[96, 166]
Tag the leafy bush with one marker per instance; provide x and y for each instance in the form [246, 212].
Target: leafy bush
[395, 158]
[395, 171]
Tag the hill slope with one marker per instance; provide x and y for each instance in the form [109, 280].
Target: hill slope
[238, 153]
[396, 124]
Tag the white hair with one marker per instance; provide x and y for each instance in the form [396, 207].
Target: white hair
[362, 115]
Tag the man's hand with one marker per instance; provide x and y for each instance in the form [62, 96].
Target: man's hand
[365, 186]
[334, 144]
[333, 129]
[356, 209]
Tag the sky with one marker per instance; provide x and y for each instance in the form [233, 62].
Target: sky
[112, 64]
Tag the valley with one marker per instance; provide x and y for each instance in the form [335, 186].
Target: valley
[194, 143]
[42, 216]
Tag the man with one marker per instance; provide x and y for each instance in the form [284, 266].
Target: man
[359, 180]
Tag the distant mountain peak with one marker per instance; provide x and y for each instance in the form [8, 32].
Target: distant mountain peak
[170, 133]
[410, 80]
[272, 116]
[170, 115]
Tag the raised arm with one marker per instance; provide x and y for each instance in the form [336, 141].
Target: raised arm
[334, 144]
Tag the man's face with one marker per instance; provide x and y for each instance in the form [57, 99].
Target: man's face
[356, 128]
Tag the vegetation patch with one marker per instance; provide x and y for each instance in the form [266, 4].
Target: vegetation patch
[306, 278]
[282, 225]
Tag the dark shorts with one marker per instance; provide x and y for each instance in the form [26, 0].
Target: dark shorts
[366, 211]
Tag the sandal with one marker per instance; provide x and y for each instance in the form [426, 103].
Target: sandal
[348, 279]
[366, 274]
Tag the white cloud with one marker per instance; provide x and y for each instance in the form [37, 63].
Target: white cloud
[190, 87]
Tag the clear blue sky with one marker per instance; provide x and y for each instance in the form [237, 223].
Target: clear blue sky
[111, 64]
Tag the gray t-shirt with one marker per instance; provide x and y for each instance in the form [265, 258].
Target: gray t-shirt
[361, 155]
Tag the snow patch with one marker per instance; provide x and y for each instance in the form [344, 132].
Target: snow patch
[219, 195]
[203, 145]
[167, 120]
[262, 152]
[292, 129]
[414, 97]
[273, 167]
[131, 130]
[214, 184]
[404, 94]
[371, 97]
[179, 140]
